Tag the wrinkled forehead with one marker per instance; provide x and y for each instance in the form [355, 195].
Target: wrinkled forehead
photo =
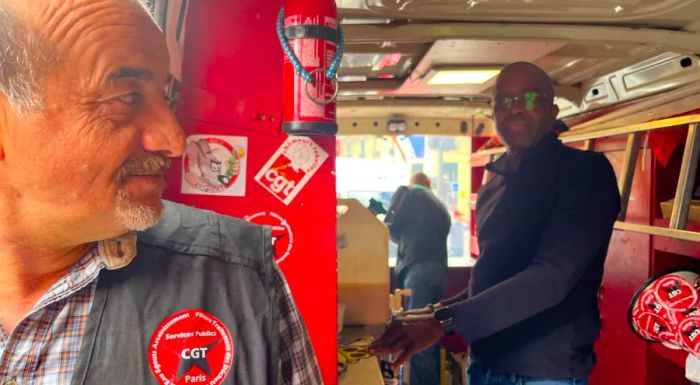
[102, 34]
[519, 79]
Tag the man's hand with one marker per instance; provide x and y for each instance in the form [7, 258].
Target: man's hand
[430, 309]
[408, 334]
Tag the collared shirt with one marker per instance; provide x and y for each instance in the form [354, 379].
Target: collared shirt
[44, 347]
[543, 233]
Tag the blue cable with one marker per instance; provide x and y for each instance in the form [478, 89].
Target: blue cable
[298, 67]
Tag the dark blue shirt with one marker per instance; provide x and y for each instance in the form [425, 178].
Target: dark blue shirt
[543, 234]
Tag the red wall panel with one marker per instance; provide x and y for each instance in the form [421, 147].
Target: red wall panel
[622, 357]
[232, 79]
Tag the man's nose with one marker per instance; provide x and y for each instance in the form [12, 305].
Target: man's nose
[517, 107]
[162, 132]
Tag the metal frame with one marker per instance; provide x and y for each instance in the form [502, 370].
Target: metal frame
[686, 178]
[414, 126]
[676, 41]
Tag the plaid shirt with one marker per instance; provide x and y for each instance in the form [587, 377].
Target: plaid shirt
[44, 347]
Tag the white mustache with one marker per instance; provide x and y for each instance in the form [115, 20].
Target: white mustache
[146, 165]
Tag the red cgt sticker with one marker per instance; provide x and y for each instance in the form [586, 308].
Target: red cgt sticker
[653, 326]
[688, 333]
[191, 347]
[649, 302]
[675, 293]
[682, 315]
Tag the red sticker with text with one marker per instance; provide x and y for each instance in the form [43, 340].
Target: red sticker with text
[682, 315]
[191, 347]
[649, 302]
[653, 326]
[637, 325]
[675, 293]
[291, 167]
[688, 332]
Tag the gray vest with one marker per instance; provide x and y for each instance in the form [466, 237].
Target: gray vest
[192, 259]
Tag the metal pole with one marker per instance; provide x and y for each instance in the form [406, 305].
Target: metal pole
[626, 177]
[686, 179]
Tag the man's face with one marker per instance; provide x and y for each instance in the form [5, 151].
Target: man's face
[95, 157]
[522, 108]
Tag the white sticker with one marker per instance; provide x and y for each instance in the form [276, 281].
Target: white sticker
[291, 167]
[215, 165]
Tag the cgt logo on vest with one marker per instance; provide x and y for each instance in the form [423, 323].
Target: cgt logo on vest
[191, 347]
[196, 353]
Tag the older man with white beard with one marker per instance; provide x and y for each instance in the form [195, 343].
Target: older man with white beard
[85, 139]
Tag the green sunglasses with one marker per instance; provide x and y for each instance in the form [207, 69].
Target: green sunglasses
[529, 99]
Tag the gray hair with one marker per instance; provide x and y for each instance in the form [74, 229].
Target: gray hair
[25, 59]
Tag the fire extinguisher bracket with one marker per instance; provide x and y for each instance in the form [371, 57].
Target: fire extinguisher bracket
[312, 31]
[298, 67]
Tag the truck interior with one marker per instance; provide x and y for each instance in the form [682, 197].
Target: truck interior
[415, 87]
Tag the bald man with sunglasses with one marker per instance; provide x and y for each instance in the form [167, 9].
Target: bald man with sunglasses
[544, 222]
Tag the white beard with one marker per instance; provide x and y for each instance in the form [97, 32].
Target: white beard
[135, 216]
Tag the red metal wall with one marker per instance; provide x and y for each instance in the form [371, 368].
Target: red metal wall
[232, 79]
[633, 258]
[622, 357]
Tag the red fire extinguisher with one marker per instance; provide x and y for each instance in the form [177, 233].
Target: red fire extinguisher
[312, 41]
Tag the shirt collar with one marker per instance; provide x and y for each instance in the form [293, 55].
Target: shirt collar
[110, 254]
[117, 252]
[536, 156]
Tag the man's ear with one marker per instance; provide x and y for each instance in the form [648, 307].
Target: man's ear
[555, 111]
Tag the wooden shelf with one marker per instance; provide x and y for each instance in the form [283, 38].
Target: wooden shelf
[692, 226]
[676, 246]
